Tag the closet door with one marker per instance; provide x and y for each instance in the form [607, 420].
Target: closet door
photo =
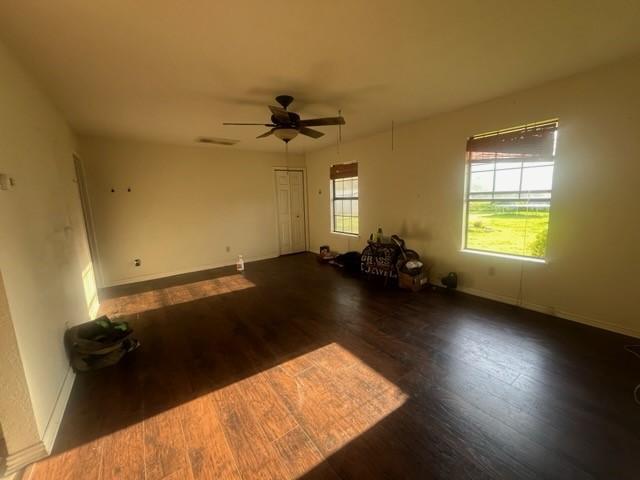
[283, 194]
[291, 217]
[296, 189]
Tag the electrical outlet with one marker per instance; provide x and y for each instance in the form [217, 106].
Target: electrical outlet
[228, 248]
[137, 262]
[492, 271]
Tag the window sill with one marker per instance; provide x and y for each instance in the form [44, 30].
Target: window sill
[504, 255]
[351, 235]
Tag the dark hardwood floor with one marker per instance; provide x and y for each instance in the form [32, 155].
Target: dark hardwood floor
[295, 370]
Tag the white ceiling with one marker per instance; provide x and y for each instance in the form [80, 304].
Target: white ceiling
[172, 71]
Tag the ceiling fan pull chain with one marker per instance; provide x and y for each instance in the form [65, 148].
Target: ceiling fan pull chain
[339, 131]
[392, 135]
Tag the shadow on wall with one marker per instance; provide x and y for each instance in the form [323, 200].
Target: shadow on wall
[3, 449]
[415, 232]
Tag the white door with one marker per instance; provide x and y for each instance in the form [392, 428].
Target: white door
[291, 221]
[296, 187]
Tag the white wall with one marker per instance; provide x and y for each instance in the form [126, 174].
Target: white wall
[43, 248]
[417, 191]
[186, 205]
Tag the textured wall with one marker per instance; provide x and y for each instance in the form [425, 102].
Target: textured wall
[16, 413]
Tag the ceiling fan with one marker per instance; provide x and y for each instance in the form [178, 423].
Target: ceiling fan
[286, 125]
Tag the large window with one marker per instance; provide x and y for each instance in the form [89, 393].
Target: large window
[508, 190]
[344, 198]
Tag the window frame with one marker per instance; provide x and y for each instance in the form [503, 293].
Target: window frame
[519, 193]
[334, 198]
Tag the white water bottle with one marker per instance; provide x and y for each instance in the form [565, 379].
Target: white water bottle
[240, 264]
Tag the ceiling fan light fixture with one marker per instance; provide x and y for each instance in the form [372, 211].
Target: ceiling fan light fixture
[286, 134]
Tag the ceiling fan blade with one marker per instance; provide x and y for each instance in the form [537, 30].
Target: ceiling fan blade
[310, 132]
[261, 124]
[280, 113]
[312, 122]
[266, 134]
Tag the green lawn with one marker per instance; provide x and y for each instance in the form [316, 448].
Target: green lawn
[346, 224]
[513, 231]
[493, 228]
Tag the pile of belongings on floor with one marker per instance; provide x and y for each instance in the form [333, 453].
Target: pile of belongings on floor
[412, 274]
[98, 344]
[385, 257]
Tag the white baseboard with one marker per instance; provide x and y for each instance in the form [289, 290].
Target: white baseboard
[154, 276]
[574, 317]
[18, 460]
[51, 430]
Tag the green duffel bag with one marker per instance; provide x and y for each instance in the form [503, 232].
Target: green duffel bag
[98, 344]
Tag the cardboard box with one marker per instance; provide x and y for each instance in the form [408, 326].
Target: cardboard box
[414, 283]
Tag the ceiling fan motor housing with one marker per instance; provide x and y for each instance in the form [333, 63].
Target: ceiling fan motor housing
[294, 119]
[284, 100]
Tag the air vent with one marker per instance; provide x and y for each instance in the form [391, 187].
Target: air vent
[216, 141]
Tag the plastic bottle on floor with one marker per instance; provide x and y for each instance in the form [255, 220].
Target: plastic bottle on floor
[240, 264]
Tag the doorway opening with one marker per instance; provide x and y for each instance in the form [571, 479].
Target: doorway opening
[91, 276]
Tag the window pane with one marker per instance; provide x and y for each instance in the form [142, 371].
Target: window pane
[346, 207]
[535, 195]
[506, 165]
[514, 228]
[338, 188]
[508, 203]
[481, 181]
[481, 167]
[508, 180]
[474, 196]
[345, 210]
[538, 164]
[507, 196]
[347, 190]
[537, 178]
[346, 221]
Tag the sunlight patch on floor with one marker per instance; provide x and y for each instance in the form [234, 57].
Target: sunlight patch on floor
[279, 423]
[164, 297]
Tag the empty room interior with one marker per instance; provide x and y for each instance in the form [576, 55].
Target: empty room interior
[190, 287]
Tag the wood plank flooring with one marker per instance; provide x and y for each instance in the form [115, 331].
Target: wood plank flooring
[294, 370]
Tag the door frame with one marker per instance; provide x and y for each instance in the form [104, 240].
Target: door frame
[305, 200]
[87, 213]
